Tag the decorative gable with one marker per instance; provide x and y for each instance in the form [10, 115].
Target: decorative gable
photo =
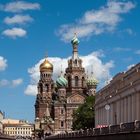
[76, 98]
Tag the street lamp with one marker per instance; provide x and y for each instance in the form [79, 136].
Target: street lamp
[107, 108]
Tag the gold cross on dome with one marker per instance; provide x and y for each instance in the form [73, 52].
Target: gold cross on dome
[46, 55]
[75, 34]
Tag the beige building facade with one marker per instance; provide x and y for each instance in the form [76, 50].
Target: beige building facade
[17, 128]
[119, 101]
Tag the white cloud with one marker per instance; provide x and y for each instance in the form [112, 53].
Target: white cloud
[95, 22]
[129, 31]
[122, 49]
[137, 52]
[13, 83]
[92, 61]
[130, 66]
[4, 82]
[18, 19]
[19, 6]
[31, 90]
[3, 63]
[14, 32]
[16, 82]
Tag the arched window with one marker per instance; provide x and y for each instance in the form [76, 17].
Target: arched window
[76, 81]
[41, 87]
[75, 61]
[47, 87]
[69, 81]
[83, 81]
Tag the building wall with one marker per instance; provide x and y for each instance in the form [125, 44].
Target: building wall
[1, 125]
[17, 128]
[63, 117]
[122, 94]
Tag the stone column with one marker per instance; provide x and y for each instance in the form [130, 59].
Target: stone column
[101, 115]
[137, 106]
[117, 111]
[129, 113]
[111, 114]
[96, 116]
[104, 115]
[125, 108]
[122, 111]
[133, 107]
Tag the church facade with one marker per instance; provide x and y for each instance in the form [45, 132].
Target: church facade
[57, 100]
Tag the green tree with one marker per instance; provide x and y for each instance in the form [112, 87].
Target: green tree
[83, 117]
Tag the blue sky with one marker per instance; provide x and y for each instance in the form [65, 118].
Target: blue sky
[108, 31]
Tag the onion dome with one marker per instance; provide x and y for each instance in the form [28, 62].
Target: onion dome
[75, 40]
[61, 81]
[46, 66]
[92, 81]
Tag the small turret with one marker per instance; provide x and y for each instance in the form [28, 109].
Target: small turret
[61, 83]
[75, 40]
[92, 83]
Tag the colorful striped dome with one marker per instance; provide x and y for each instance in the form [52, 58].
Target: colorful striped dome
[92, 81]
[61, 82]
[75, 40]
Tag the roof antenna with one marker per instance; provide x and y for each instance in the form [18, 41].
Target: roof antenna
[92, 73]
[61, 72]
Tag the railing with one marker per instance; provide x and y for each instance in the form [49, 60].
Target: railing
[112, 129]
[2, 136]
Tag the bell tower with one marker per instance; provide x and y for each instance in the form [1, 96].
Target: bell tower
[75, 73]
[45, 89]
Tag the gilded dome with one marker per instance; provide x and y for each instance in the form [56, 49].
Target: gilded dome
[61, 82]
[46, 66]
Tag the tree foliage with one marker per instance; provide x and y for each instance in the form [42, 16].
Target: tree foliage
[83, 117]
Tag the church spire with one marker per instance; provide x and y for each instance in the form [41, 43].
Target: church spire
[75, 43]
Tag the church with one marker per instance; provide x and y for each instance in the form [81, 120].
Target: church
[57, 100]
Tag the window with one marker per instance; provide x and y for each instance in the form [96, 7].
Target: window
[41, 88]
[83, 79]
[62, 123]
[75, 61]
[76, 81]
[47, 87]
[62, 111]
[69, 82]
